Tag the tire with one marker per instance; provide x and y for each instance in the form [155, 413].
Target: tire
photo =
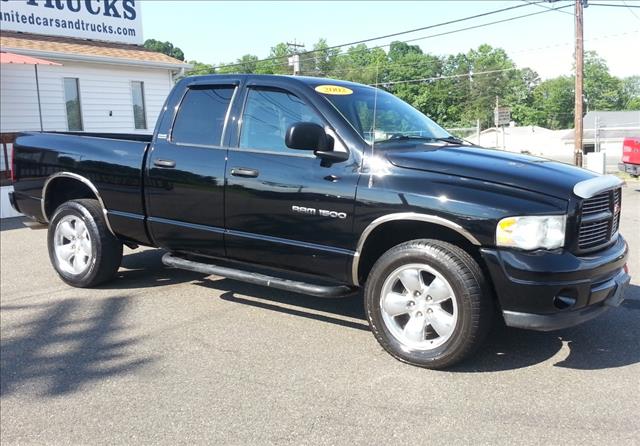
[428, 304]
[82, 250]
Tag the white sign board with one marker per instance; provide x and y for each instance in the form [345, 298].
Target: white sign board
[110, 20]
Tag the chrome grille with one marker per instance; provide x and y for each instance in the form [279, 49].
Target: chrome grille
[599, 220]
[617, 205]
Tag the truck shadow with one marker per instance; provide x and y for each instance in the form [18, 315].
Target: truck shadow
[606, 342]
[67, 346]
[345, 312]
[144, 269]
[11, 223]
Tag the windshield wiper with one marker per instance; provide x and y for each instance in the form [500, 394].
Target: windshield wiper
[451, 140]
[447, 139]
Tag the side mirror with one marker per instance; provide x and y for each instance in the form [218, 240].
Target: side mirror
[311, 136]
[306, 136]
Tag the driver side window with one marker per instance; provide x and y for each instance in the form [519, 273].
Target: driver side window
[268, 113]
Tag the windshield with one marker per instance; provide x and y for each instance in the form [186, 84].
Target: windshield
[394, 118]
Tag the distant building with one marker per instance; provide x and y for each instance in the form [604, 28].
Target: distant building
[529, 139]
[604, 131]
[78, 66]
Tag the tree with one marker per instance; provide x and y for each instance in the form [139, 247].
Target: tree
[602, 91]
[165, 48]
[455, 90]
[278, 62]
[200, 68]
[503, 81]
[553, 103]
[246, 64]
[631, 93]
[321, 61]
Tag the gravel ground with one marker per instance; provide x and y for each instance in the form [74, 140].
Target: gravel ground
[163, 356]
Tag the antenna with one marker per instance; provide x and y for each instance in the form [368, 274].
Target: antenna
[373, 124]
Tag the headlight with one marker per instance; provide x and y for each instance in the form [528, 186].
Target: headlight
[532, 232]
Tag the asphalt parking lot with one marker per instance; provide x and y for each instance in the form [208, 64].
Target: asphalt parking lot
[163, 356]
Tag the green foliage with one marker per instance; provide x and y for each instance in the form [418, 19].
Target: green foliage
[631, 92]
[602, 91]
[165, 48]
[454, 90]
[200, 68]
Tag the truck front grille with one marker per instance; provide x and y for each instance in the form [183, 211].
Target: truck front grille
[600, 216]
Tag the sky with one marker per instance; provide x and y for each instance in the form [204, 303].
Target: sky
[216, 32]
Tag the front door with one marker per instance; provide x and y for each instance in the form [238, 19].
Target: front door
[285, 207]
[185, 181]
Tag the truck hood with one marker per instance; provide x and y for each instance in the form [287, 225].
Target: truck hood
[496, 166]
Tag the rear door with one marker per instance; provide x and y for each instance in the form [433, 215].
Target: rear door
[287, 208]
[184, 184]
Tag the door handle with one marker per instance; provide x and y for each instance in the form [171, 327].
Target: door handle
[167, 164]
[244, 172]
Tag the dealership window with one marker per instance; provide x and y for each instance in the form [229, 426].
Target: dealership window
[72, 101]
[139, 109]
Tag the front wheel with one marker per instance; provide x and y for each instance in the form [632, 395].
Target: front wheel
[82, 250]
[427, 303]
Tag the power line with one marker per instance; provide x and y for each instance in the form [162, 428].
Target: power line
[484, 24]
[426, 79]
[550, 8]
[614, 5]
[631, 10]
[452, 31]
[525, 50]
[450, 22]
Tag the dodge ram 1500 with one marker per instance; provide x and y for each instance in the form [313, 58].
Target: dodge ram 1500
[344, 186]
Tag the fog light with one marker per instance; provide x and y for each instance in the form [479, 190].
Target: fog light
[563, 302]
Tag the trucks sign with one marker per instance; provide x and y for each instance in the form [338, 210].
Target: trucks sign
[502, 116]
[109, 20]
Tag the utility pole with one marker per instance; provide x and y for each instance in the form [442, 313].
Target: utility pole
[596, 135]
[577, 150]
[294, 60]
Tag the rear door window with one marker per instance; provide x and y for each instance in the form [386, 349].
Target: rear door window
[201, 117]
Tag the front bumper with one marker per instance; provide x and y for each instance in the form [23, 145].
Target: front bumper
[552, 290]
[631, 169]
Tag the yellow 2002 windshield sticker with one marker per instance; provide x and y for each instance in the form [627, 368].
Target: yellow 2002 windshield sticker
[333, 89]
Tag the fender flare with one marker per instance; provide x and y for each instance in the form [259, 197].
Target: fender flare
[407, 216]
[83, 180]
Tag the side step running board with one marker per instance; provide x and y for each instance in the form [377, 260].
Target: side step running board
[259, 279]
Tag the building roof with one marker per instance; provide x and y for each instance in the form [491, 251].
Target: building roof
[524, 130]
[589, 135]
[611, 119]
[85, 50]
[611, 125]
[23, 60]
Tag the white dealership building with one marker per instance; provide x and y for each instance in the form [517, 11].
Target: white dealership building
[77, 65]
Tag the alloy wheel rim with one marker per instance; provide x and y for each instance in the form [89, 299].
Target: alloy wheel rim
[72, 244]
[419, 307]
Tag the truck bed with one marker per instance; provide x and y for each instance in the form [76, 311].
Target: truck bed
[110, 162]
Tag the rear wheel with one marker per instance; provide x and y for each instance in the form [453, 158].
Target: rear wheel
[427, 303]
[82, 250]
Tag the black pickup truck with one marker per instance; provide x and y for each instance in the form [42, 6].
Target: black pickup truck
[322, 187]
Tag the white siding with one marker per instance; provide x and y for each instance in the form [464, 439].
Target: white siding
[104, 88]
[18, 99]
